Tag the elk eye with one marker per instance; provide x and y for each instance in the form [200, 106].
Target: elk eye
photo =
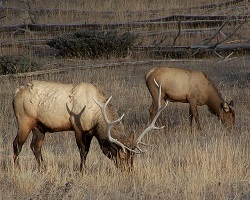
[122, 154]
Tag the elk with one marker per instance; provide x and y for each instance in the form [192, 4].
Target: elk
[188, 86]
[43, 107]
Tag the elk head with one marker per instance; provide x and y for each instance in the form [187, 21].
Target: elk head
[227, 114]
[123, 150]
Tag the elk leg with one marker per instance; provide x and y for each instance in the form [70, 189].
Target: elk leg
[86, 140]
[21, 137]
[36, 145]
[153, 110]
[194, 113]
[83, 142]
[17, 147]
[191, 116]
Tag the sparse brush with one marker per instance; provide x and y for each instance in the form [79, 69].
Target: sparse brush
[13, 64]
[93, 43]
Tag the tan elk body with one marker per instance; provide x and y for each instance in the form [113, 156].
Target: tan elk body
[188, 86]
[43, 107]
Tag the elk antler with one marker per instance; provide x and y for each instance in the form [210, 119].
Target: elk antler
[152, 125]
[110, 124]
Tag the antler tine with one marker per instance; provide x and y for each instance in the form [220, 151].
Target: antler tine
[103, 108]
[152, 125]
[159, 99]
[110, 124]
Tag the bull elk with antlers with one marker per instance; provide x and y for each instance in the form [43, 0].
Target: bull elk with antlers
[188, 86]
[43, 107]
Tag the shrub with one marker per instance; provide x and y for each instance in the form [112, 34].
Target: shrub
[93, 43]
[13, 64]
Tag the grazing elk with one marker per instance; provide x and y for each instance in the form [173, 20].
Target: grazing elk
[188, 86]
[43, 107]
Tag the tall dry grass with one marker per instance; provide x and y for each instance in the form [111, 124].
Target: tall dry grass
[100, 11]
[211, 164]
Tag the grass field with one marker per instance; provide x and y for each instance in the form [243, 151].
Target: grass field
[210, 164]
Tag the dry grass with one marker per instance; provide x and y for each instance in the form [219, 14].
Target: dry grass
[124, 10]
[212, 164]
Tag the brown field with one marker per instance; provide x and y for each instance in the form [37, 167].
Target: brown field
[211, 164]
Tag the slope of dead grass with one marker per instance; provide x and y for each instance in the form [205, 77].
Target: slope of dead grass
[212, 164]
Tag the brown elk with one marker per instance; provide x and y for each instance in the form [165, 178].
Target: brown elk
[43, 107]
[188, 86]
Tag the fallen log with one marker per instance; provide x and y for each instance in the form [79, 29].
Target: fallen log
[191, 51]
[196, 17]
[133, 25]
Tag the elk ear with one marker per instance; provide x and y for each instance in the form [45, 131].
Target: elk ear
[131, 136]
[225, 106]
[231, 103]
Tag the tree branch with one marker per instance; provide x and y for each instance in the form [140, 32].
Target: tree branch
[217, 31]
[178, 34]
[230, 35]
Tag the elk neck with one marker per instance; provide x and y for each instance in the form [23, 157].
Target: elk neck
[117, 130]
[214, 100]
